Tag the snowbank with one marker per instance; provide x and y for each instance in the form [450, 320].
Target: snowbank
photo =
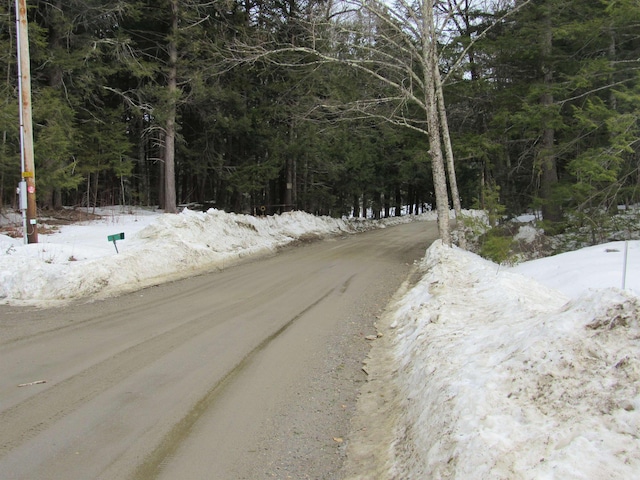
[79, 262]
[496, 376]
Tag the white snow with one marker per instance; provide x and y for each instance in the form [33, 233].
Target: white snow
[525, 372]
[77, 261]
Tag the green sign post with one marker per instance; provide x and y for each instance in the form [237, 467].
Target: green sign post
[114, 238]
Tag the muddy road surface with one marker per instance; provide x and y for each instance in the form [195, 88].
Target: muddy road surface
[248, 373]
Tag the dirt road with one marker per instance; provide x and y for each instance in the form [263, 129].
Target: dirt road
[249, 373]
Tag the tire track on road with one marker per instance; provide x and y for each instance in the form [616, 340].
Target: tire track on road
[35, 414]
[27, 419]
[161, 455]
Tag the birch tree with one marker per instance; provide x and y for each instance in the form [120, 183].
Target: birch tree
[403, 56]
[396, 45]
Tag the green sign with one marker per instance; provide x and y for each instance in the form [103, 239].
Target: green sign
[117, 236]
[113, 238]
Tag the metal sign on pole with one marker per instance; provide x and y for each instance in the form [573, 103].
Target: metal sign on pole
[26, 125]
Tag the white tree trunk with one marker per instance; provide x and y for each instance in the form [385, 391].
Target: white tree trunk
[433, 123]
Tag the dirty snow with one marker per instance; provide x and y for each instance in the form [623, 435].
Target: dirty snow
[490, 374]
[482, 371]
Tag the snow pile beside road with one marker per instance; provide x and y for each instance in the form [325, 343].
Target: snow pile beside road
[81, 262]
[497, 376]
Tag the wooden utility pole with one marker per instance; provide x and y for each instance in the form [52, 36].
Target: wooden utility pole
[26, 123]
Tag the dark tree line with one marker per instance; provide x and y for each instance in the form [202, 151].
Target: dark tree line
[138, 102]
[546, 109]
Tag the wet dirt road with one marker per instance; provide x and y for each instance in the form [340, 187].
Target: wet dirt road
[248, 373]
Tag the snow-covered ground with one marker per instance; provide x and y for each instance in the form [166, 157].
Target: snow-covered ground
[525, 372]
[78, 261]
[528, 372]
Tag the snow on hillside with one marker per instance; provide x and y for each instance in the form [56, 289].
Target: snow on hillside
[482, 371]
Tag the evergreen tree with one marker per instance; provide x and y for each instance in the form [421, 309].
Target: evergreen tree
[9, 124]
[549, 111]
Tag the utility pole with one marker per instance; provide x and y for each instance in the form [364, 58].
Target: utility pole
[26, 123]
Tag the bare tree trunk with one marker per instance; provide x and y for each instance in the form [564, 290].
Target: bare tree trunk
[446, 140]
[288, 193]
[356, 206]
[364, 205]
[431, 104]
[612, 57]
[375, 205]
[294, 184]
[387, 204]
[96, 181]
[290, 174]
[170, 129]
[547, 159]
[305, 185]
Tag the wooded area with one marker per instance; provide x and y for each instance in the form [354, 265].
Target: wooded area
[264, 106]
